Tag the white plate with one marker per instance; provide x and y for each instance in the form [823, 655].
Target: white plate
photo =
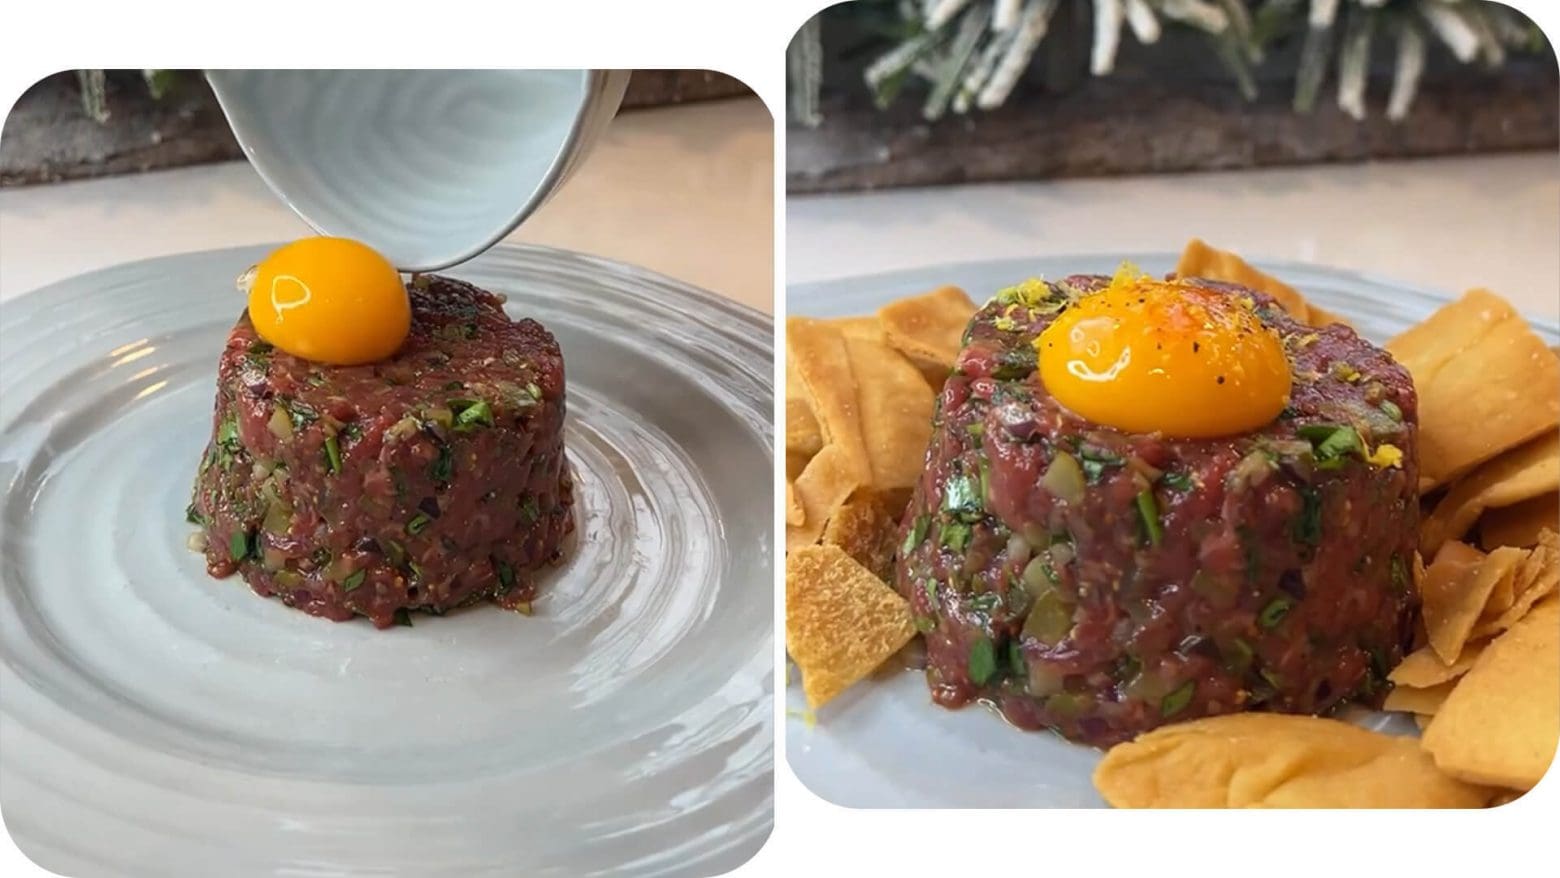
[884, 744]
[157, 722]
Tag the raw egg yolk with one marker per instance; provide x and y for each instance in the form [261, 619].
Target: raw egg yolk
[1148, 356]
[330, 300]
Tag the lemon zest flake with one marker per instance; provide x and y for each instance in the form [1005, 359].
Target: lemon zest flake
[1127, 275]
[806, 716]
[1346, 372]
[1031, 293]
[1386, 456]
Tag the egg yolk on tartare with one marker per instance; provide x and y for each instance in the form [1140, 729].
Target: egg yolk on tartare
[330, 300]
[1169, 357]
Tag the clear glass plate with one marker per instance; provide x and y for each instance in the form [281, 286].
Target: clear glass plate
[157, 721]
[883, 744]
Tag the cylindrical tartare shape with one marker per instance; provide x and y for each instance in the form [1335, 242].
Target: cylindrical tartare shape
[1101, 583]
[429, 480]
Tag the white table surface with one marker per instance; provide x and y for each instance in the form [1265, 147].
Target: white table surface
[1444, 224]
[686, 191]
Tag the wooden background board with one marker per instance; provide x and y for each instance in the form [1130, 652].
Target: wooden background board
[47, 137]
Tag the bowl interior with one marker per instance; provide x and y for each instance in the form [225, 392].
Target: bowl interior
[427, 166]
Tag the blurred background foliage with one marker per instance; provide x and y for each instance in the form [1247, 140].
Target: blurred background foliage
[964, 55]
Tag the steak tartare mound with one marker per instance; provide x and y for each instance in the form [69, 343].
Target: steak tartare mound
[426, 481]
[1101, 582]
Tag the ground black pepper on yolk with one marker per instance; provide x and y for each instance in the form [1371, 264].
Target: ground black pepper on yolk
[1145, 356]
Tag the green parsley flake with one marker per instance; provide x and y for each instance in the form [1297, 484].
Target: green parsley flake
[1331, 443]
[1148, 513]
[1178, 699]
[955, 535]
[471, 414]
[917, 534]
[443, 465]
[961, 499]
[983, 661]
[1274, 613]
[238, 546]
[1308, 525]
[332, 455]
[506, 574]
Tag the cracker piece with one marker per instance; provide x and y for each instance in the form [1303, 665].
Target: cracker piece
[841, 622]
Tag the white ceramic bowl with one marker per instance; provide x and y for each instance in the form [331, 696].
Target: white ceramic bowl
[429, 167]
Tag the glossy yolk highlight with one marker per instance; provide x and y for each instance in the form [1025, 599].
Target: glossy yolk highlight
[330, 300]
[1148, 356]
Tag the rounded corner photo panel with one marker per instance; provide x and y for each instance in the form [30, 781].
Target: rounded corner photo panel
[422, 524]
[1154, 436]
